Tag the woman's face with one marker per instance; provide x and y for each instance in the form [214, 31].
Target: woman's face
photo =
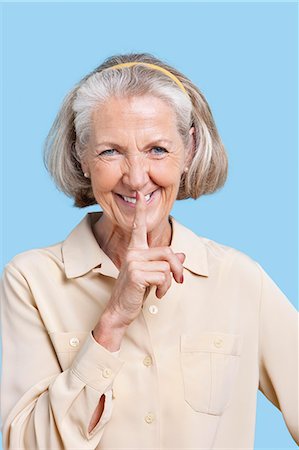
[135, 145]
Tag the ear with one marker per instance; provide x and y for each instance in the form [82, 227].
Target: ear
[84, 166]
[191, 147]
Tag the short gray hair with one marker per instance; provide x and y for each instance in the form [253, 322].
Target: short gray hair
[68, 137]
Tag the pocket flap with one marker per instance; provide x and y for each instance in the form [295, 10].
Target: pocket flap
[212, 342]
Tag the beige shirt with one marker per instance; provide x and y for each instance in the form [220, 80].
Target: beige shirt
[189, 367]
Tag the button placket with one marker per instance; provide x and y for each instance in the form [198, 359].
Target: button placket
[151, 318]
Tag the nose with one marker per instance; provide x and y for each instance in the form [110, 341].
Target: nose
[136, 172]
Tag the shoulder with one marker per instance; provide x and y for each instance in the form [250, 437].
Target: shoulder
[235, 259]
[51, 260]
[217, 253]
[29, 273]
[217, 259]
[233, 269]
[223, 253]
[34, 260]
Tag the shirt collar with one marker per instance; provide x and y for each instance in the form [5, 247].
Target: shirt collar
[81, 252]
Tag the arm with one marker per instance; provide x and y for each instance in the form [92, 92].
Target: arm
[279, 352]
[42, 407]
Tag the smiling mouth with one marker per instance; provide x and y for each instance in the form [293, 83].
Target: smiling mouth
[133, 199]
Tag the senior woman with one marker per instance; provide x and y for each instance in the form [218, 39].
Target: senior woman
[135, 333]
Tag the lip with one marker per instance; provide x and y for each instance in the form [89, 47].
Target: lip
[133, 205]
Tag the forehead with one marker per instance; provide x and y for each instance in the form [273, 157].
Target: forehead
[142, 115]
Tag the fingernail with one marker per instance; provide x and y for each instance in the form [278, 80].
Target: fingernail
[182, 279]
[137, 195]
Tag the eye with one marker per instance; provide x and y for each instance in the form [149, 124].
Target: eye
[158, 151]
[108, 152]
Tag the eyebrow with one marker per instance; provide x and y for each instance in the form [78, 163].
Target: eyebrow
[111, 144]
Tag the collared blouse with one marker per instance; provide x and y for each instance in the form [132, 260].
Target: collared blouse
[189, 366]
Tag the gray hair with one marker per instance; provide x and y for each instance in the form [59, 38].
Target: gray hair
[69, 135]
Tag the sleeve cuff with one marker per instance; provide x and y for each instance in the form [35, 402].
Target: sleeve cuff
[95, 365]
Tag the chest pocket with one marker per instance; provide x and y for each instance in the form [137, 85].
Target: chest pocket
[67, 345]
[209, 363]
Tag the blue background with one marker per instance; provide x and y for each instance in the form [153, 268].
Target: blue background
[243, 56]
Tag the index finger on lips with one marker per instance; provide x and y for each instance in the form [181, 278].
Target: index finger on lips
[139, 234]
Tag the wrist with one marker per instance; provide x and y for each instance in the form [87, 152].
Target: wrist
[109, 332]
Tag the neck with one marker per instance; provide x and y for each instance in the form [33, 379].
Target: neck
[114, 241]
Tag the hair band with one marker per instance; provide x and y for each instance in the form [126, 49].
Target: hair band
[153, 66]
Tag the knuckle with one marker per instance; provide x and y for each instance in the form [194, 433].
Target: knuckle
[168, 251]
[131, 267]
[135, 276]
[162, 278]
[130, 256]
[165, 266]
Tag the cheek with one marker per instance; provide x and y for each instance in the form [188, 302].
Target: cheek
[105, 176]
[166, 173]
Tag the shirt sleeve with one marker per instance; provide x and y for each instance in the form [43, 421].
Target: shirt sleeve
[41, 406]
[278, 356]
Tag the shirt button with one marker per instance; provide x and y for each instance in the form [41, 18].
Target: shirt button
[149, 418]
[74, 342]
[107, 372]
[148, 361]
[153, 309]
[218, 342]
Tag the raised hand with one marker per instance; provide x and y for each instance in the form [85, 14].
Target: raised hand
[142, 268]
